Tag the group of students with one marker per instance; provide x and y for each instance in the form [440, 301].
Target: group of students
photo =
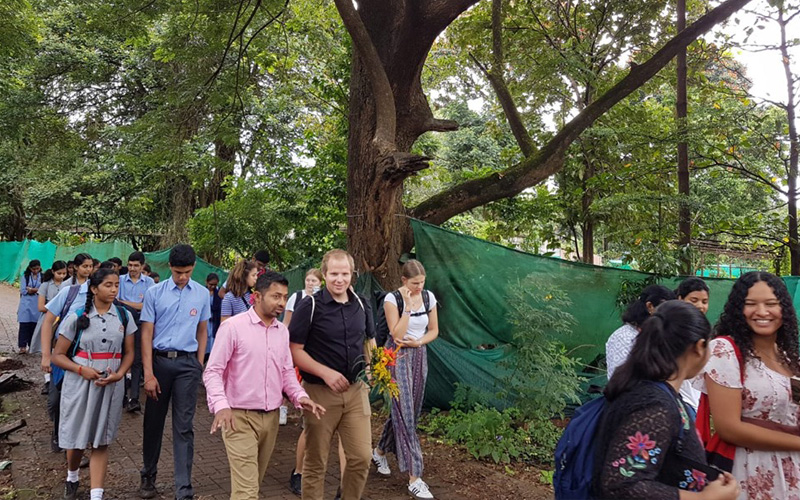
[727, 424]
[98, 325]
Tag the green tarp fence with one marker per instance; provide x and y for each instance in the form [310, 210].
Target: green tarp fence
[15, 255]
[472, 279]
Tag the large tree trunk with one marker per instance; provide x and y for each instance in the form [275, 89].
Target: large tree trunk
[388, 112]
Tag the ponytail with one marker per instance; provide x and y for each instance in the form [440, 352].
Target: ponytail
[50, 273]
[665, 336]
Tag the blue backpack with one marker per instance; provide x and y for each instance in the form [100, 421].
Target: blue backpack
[576, 450]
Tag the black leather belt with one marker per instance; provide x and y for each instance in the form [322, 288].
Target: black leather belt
[173, 354]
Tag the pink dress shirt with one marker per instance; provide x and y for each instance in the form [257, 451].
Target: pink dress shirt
[250, 366]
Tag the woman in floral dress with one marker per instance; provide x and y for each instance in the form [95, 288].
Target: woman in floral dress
[754, 411]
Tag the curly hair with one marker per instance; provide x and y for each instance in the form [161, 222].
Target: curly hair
[733, 323]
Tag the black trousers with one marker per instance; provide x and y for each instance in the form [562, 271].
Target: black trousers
[179, 379]
[25, 334]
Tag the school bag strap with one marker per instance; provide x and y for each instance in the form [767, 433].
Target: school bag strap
[426, 303]
[314, 305]
[71, 294]
[718, 452]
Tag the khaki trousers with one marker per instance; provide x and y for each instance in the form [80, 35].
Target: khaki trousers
[349, 414]
[249, 449]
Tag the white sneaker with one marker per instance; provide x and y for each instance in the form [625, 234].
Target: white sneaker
[419, 489]
[382, 463]
[284, 414]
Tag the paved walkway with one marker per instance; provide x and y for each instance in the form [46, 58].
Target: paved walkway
[38, 473]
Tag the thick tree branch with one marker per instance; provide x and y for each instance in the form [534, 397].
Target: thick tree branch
[385, 111]
[550, 158]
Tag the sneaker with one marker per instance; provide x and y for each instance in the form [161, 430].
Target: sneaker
[295, 483]
[284, 415]
[148, 487]
[338, 494]
[70, 490]
[382, 463]
[45, 389]
[134, 406]
[419, 489]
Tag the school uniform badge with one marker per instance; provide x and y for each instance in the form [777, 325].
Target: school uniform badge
[193, 312]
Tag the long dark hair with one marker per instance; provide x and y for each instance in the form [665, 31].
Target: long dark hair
[79, 259]
[733, 323]
[672, 329]
[50, 273]
[33, 263]
[94, 280]
[637, 311]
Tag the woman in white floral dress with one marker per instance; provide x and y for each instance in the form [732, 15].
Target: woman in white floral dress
[755, 412]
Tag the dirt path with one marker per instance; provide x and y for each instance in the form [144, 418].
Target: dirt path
[38, 473]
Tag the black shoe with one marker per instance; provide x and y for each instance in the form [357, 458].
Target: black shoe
[46, 389]
[295, 483]
[148, 487]
[70, 490]
[134, 406]
[338, 494]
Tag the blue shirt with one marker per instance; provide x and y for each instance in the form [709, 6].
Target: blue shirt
[232, 305]
[175, 314]
[55, 305]
[134, 292]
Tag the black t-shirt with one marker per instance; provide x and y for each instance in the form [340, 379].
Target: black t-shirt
[335, 336]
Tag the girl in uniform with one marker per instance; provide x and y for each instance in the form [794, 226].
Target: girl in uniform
[94, 388]
[52, 282]
[28, 311]
[411, 327]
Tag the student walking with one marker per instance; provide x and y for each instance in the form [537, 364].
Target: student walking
[28, 310]
[132, 287]
[248, 372]
[69, 299]
[413, 322]
[331, 335]
[215, 302]
[52, 281]
[241, 280]
[313, 282]
[174, 334]
[95, 348]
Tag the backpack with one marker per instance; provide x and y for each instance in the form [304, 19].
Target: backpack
[382, 332]
[56, 372]
[576, 450]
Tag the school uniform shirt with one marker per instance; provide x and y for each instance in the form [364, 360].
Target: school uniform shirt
[55, 305]
[28, 310]
[418, 322]
[175, 314]
[131, 291]
[233, 305]
[251, 366]
[92, 414]
[48, 290]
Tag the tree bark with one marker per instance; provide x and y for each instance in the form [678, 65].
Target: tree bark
[684, 217]
[391, 43]
[548, 160]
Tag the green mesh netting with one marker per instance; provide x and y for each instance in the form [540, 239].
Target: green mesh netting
[15, 255]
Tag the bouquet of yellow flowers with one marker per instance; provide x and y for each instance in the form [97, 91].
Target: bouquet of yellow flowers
[382, 380]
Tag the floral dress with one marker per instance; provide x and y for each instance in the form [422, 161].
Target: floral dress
[638, 448]
[767, 395]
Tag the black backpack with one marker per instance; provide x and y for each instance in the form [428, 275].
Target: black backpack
[381, 327]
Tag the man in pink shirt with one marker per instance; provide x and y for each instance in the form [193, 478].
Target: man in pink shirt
[249, 370]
